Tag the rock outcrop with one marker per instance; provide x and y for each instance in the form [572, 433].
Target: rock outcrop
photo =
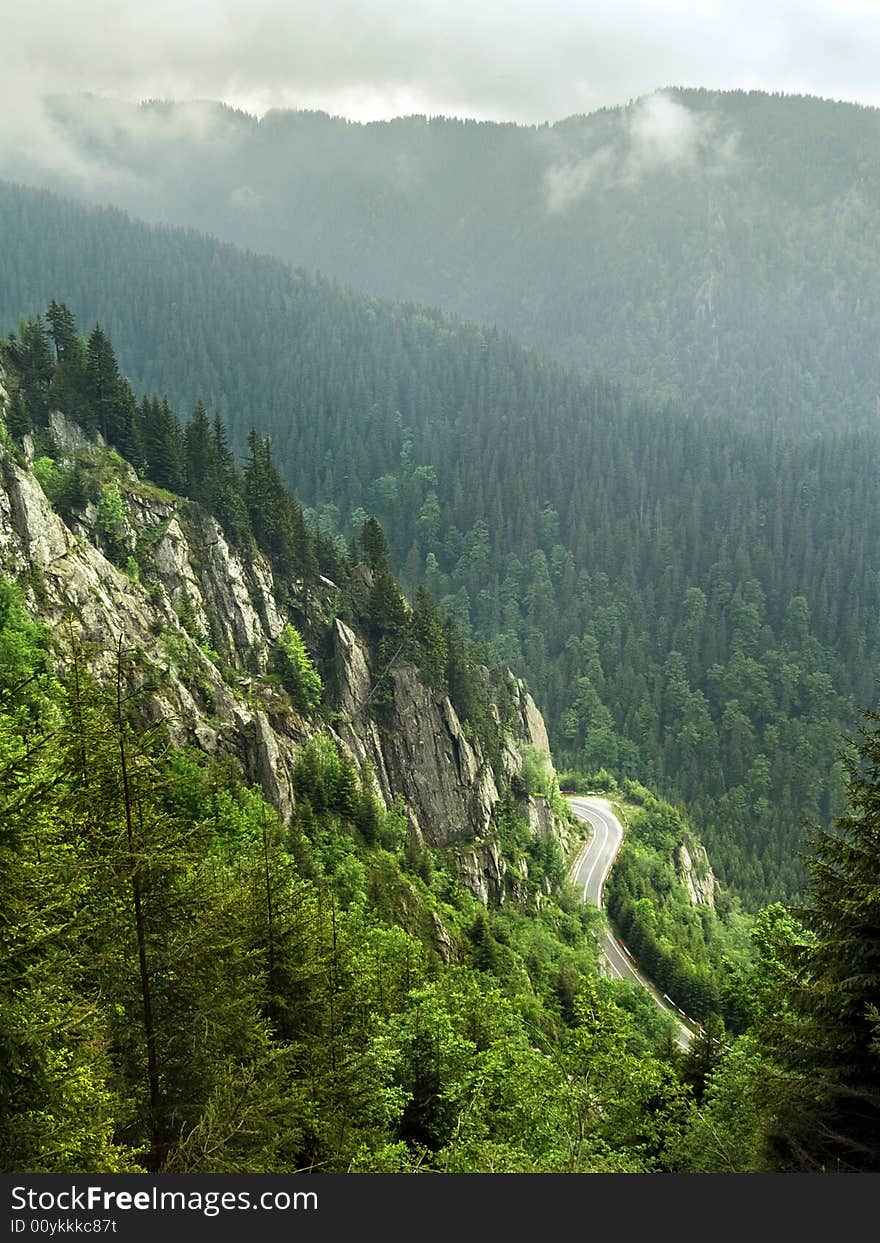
[483, 871]
[446, 781]
[205, 616]
[531, 730]
[696, 874]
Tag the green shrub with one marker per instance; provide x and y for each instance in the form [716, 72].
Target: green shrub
[292, 665]
[49, 476]
[603, 780]
[537, 775]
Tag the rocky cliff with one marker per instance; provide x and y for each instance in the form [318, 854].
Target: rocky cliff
[204, 616]
[695, 872]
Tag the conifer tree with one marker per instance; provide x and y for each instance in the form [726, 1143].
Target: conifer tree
[199, 453]
[167, 928]
[161, 443]
[63, 329]
[429, 639]
[275, 517]
[823, 1040]
[226, 501]
[32, 355]
[112, 407]
[375, 545]
[18, 417]
[58, 1105]
[69, 390]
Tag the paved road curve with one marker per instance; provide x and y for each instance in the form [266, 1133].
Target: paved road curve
[591, 870]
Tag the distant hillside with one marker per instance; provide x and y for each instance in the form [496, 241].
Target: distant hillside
[717, 249]
[694, 606]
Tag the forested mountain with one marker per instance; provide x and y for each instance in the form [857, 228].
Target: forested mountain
[714, 248]
[283, 866]
[694, 605]
[258, 825]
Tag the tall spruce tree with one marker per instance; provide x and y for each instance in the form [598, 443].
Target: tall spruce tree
[32, 355]
[111, 398]
[276, 518]
[62, 327]
[161, 442]
[824, 1040]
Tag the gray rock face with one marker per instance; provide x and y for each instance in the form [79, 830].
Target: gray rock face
[446, 782]
[542, 822]
[442, 939]
[69, 436]
[79, 585]
[421, 752]
[233, 598]
[528, 729]
[696, 875]
[271, 764]
[81, 592]
[483, 871]
[354, 674]
[534, 732]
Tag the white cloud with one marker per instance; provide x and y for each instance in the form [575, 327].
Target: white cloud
[657, 133]
[569, 180]
[520, 60]
[245, 198]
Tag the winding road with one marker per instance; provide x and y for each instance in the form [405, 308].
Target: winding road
[590, 870]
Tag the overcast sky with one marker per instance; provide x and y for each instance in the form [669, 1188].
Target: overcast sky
[523, 60]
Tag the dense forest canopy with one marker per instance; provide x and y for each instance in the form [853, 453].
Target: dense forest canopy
[151, 893]
[211, 986]
[694, 604]
[715, 248]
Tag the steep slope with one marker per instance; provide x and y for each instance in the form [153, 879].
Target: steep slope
[190, 583]
[714, 248]
[693, 606]
[276, 896]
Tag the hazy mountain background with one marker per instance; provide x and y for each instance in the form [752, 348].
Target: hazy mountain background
[715, 249]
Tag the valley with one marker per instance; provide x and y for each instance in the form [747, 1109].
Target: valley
[439, 632]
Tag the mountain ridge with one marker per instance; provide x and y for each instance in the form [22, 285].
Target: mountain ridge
[673, 243]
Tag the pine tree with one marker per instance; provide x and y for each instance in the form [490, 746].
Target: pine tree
[375, 546]
[32, 355]
[58, 1102]
[161, 444]
[166, 930]
[276, 519]
[290, 661]
[112, 401]
[824, 1039]
[389, 623]
[69, 390]
[227, 503]
[18, 417]
[429, 639]
[63, 329]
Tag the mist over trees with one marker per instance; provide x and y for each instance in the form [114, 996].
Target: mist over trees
[712, 248]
